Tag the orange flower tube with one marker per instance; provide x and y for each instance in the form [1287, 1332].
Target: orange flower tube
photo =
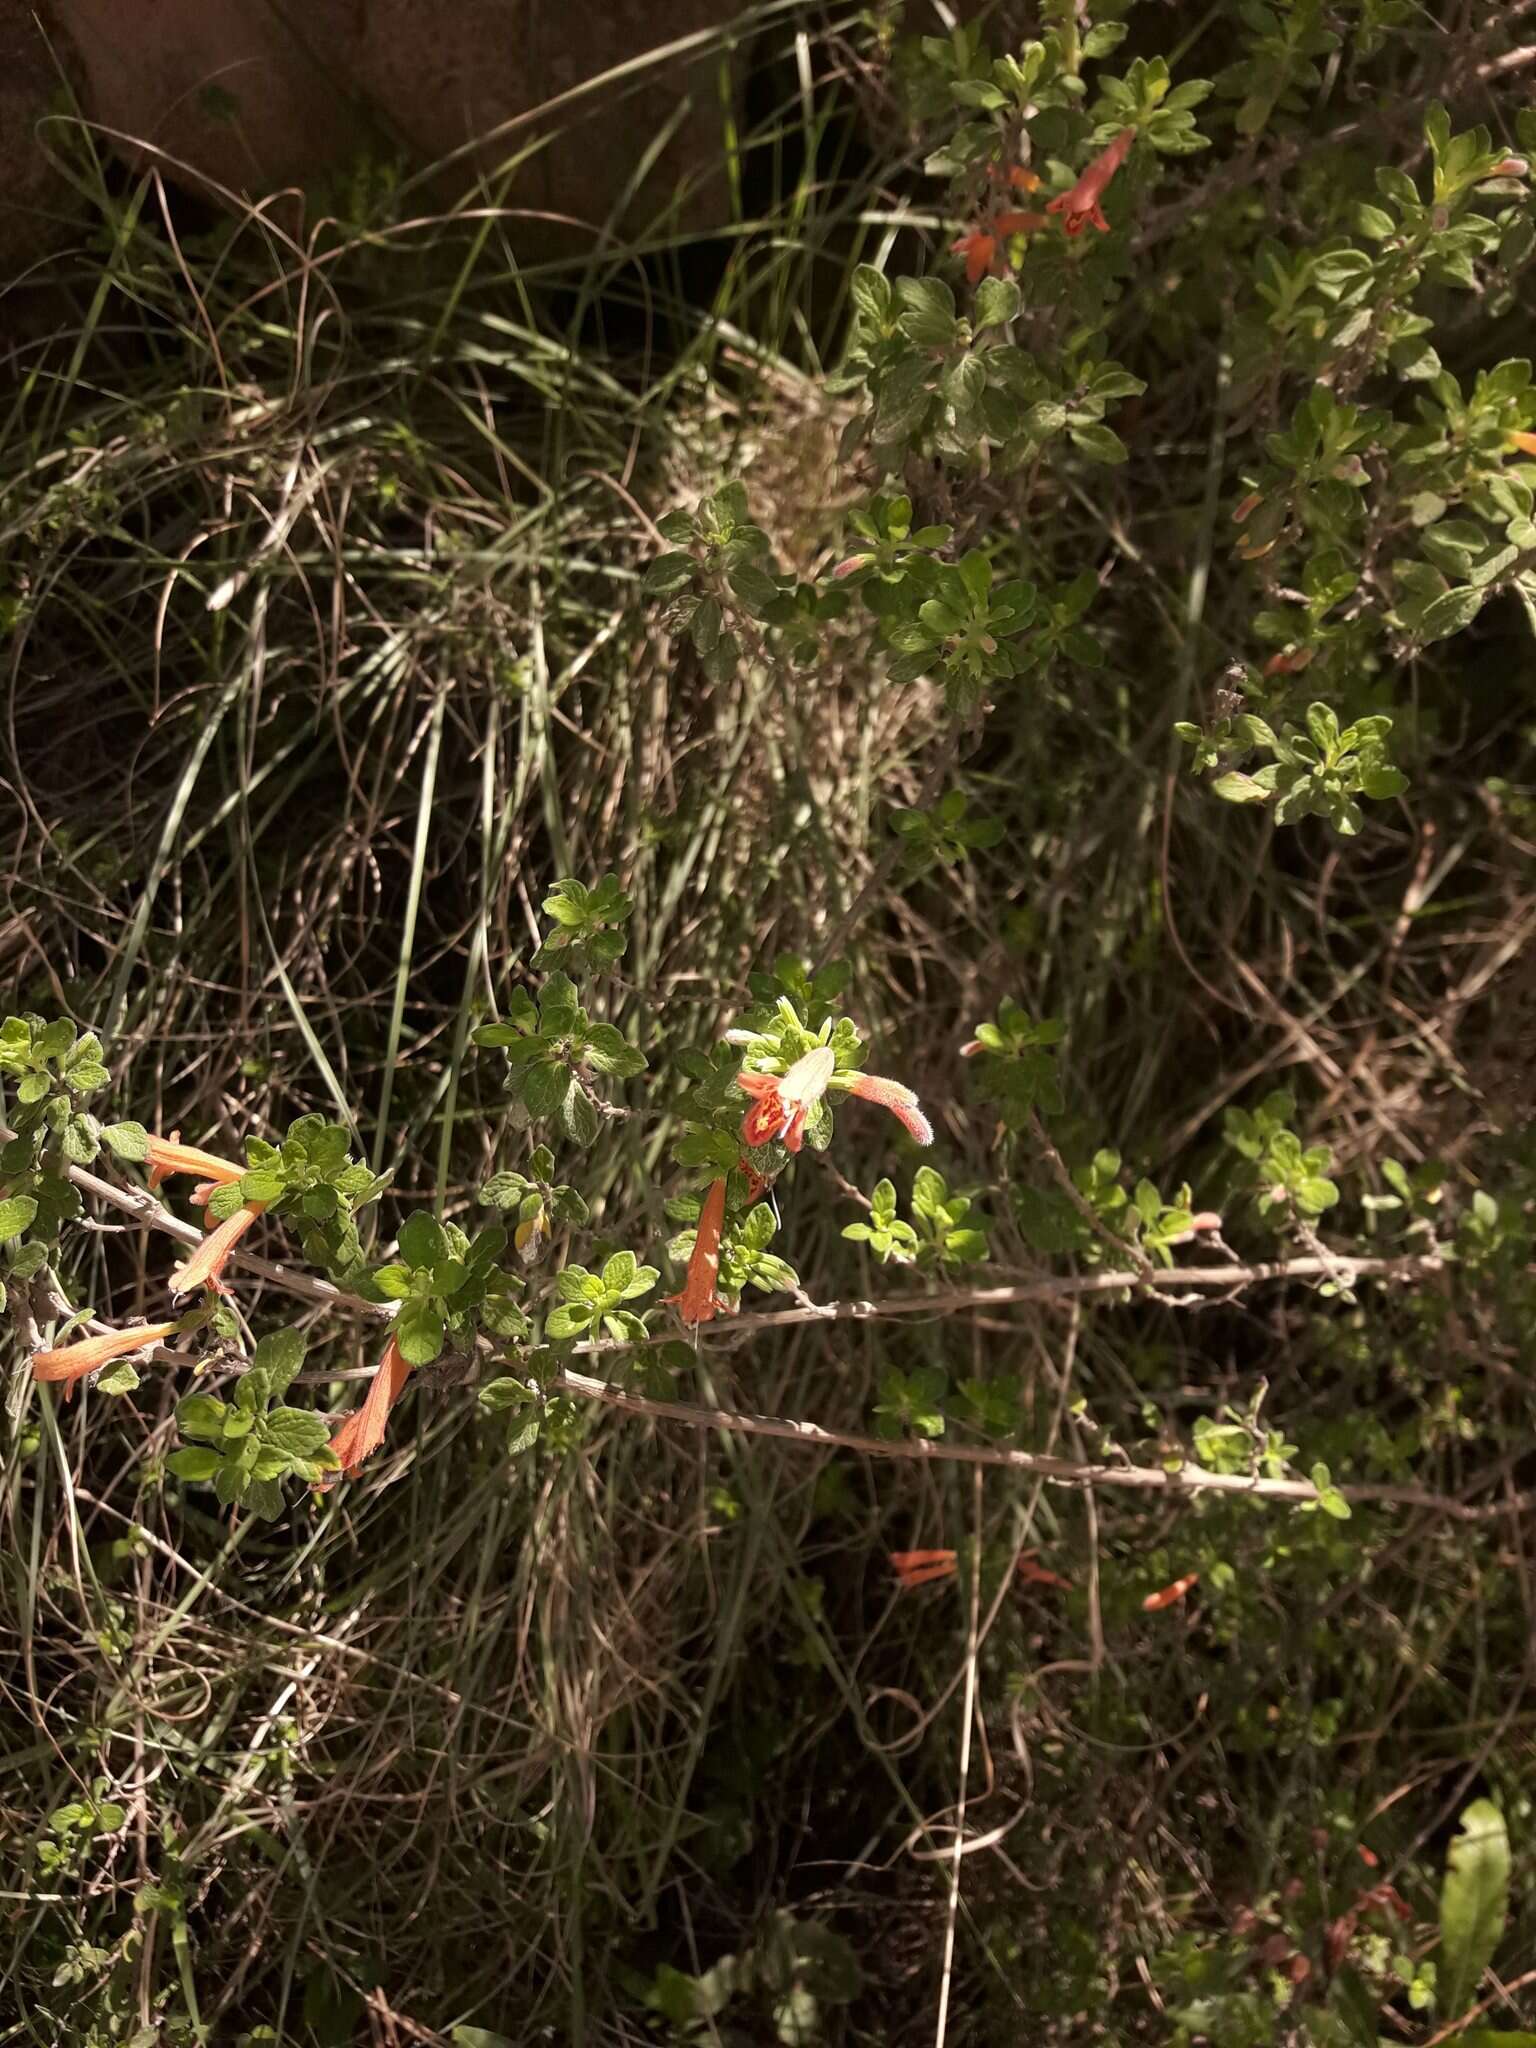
[208, 1261]
[982, 247]
[891, 1095]
[921, 1567]
[362, 1433]
[1037, 1575]
[784, 1101]
[73, 1361]
[169, 1155]
[1170, 1595]
[1081, 207]
[699, 1301]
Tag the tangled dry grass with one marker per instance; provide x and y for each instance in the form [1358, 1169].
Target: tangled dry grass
[326, 657]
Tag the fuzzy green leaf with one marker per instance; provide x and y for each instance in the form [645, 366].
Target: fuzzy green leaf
[1474, 1904]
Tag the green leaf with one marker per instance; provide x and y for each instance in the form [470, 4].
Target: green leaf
[645, 1279]
[757, 1227]
[497, 1036]
[127, 1141]
[201, 1415]
[927, 314]
[569, 1320]
[619, 1273]
[280, 1355]
[502, 1393]
[1237, 788]
[298, 1431]
[871, 292]
[1100, 443]
[1450, 613]
[559, 1009]
[80, 1139]
[1474, 1904]
[117, 1379]
[578, 1117]
[419, 1332]
[16, 1215]
[449, 1277]
[997, 299]
[423, 1241]
[54, 1039]
[904, 399]
[668, 574]
[609, 1052]
[263, 1498]
[545, 1087]
[194, 1464]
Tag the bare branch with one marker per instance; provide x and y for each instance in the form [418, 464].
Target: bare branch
[1181, 1479]
[1195, 1280]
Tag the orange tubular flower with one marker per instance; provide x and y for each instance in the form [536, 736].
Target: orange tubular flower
[921, 1567]
[699, 1301]
[363, 1432]
[169, 1155]
[1155, 1602]
[926, 1567]
[1081, 206]
[784, 1101]
[981, 254]
[1037, 1575]
[891, 1095]
[208, 1261]
[982, 246]
[73, 1361]
[1289, 661]
[1522, 443]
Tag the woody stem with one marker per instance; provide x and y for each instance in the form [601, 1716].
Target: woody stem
[1182, 1480]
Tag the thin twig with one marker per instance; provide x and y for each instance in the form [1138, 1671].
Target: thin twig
[1181, 1479]
[1059, 1287]
[1475, 2012]
[1065, 1288]
[138, 1202]
[968, 1715]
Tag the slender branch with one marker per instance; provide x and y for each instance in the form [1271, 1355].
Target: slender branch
[1179, 1480]
[1197, 1280]
[1082, 1205]
[1182, 1479]
[140, 1203]
[1475, 2012]
[1067, 1287]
